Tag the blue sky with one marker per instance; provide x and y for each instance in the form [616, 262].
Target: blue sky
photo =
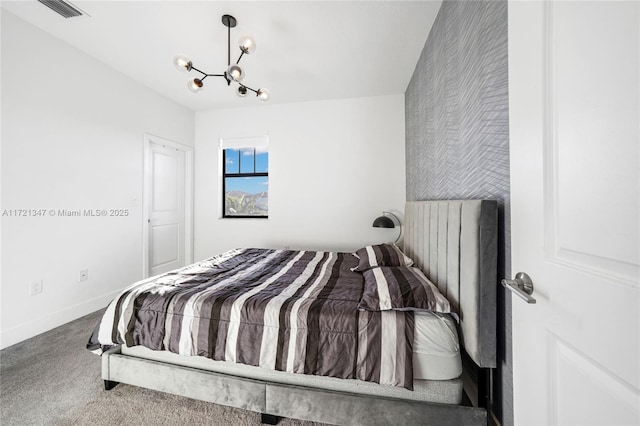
[253, 185]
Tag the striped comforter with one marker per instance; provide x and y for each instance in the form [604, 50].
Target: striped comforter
[294, 311]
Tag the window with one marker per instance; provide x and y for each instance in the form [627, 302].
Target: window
[245, 182]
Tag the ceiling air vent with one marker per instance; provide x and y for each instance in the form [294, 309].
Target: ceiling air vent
[62, 8]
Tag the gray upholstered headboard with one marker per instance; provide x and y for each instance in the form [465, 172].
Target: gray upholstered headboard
[455, 245]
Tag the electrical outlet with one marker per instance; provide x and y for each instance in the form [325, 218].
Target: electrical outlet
[35, 287]
[84, 275]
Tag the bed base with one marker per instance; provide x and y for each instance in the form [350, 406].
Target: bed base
[276, 400]
[268, 419]
[110, 384]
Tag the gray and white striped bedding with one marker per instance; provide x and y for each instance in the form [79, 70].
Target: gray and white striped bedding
[294, 311]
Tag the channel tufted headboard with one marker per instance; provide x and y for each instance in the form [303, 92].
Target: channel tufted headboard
[455, 244]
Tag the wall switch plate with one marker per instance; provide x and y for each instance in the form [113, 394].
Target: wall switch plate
[84, 275]
[35, 287]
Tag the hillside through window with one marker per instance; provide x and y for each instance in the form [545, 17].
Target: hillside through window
[246, 182]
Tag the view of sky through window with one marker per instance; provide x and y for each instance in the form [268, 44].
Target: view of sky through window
[246, 182]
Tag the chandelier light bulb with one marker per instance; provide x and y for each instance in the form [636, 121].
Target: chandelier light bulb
[195, 85]
[247, 44]
[263, 94]
[182, 63]
[241, 91]
[235, 72]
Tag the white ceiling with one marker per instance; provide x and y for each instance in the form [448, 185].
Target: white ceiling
[307, 50]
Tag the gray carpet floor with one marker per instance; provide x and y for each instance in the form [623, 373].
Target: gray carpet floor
[51, 379]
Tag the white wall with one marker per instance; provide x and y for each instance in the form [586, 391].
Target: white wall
[72, 138]
[333, 167]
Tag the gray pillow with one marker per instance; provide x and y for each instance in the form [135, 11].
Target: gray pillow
[400, 288]
[381, 255]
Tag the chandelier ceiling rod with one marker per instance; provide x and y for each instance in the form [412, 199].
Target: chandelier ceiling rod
[234, 72]
[229, 23]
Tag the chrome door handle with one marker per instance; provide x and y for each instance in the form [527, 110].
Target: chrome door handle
[521, 286]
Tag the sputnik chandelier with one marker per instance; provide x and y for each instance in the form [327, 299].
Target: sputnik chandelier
[234, 72]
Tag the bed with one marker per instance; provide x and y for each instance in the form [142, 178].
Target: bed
[363, 378]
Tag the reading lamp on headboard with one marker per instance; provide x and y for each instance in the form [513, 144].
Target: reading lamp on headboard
[387, 222]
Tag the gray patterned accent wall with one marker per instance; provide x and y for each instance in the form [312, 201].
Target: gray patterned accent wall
[457, 135]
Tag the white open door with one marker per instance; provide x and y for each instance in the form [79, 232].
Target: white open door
[167, 206]
[575, 170]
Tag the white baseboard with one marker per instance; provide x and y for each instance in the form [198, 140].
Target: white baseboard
[48, 322]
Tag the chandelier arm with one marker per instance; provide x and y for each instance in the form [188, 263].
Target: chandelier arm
[247, 87]
[196, 69]
[240, 57]
[213, 75]
[206, 74]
